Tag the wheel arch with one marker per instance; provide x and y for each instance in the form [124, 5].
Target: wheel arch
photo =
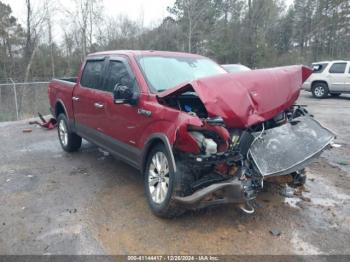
[152, 141]
[60, 108]
[319, 81]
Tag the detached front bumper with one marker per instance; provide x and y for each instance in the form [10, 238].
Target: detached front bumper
[231, 191]
[290, 147]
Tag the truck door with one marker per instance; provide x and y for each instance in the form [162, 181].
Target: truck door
[87, 100]
[122, 123]
[337, 76]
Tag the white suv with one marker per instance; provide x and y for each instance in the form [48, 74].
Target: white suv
[329, 77]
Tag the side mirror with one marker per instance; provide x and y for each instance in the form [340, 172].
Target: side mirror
[123, 95]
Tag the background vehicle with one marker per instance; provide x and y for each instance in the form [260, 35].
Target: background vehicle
[329, 78]
[196, 138]
[234, 68]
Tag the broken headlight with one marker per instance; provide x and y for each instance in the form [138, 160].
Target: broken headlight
[207, 145]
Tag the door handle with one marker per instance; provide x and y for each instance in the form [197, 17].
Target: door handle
[99, 105]
[75, 98]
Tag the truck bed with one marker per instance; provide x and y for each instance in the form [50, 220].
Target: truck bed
[62, 90]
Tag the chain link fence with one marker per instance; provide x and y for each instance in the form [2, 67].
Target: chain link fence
[22, 100]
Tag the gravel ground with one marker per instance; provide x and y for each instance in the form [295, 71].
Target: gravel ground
[90, 203]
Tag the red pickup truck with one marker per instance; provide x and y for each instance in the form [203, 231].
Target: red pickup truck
[199, 135]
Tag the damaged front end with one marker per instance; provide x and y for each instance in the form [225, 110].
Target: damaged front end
[229, 162]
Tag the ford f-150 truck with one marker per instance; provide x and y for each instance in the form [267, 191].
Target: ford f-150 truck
[199, 135]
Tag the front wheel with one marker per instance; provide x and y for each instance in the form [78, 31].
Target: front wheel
[162, 183]
[69, 141]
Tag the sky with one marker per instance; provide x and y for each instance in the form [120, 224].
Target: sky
[152, 10]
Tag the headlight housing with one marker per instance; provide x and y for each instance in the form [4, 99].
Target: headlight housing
[208, 145]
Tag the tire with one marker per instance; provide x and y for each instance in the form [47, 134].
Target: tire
[70, 142]
[335, 94]
[160, 197]
[320, 90]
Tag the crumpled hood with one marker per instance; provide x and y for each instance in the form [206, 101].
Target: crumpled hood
[247, 98]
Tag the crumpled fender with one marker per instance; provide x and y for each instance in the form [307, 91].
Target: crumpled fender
[247, 98]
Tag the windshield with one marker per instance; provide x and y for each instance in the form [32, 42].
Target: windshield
[236, 68]
[163, 73]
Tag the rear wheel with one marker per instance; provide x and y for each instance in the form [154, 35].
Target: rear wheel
[69, 141]
[162, 183]
[320, 90]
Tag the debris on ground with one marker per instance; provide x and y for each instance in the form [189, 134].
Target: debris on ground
[27, 130]
[240, 228]
[78, 170]
[336, 145]
[306, 199]
[343, 163]
[72, 211]
[287, 191]
[298, 191]
[104, 154]
[51, 124]
[275, 232]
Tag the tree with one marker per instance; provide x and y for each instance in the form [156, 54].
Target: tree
[34, 21]
[85, 15]
[194, 17]
[11, 37]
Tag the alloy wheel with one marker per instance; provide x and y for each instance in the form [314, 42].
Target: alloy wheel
[319, 91]
[63, 133]
[158, 178]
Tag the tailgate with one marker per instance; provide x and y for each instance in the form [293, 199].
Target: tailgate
[290, 147]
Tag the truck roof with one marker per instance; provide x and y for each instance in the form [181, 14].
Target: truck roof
[143, 53]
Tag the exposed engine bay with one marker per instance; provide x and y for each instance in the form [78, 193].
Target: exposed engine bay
[188, 102]
[230, 165]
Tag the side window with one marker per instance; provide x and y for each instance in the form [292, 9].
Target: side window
[92, 74]
[117, 75]
[337, 68]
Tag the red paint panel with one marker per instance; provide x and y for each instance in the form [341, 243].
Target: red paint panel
[248, 98]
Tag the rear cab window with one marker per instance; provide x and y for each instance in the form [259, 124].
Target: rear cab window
[338, 68]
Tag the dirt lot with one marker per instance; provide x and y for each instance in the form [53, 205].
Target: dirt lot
[90, 203]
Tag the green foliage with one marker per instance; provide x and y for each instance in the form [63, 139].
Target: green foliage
[258, 33]
[11, 38]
